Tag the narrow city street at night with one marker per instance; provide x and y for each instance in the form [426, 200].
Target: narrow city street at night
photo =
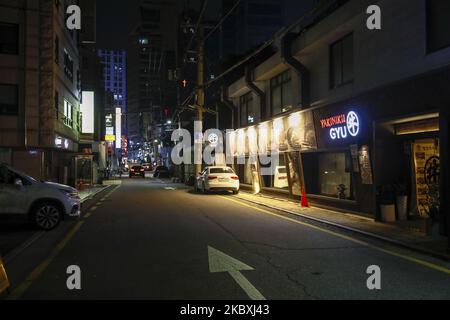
[150, 239]
[224, 159]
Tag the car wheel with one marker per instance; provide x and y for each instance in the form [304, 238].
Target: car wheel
[235, 192]
[47, 216]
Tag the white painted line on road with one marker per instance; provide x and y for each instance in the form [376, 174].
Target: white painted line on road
[219, 262]
[37, 272]
[354, 240]
[170, 188]
[17, 251]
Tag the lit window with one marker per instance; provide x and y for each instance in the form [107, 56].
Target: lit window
[68, 114]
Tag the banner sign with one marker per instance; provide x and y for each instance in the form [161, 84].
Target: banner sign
[365, 166]
[427, 171]
[4, 282]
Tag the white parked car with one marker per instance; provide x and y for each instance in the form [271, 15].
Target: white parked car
[217, 179]
[43, 203]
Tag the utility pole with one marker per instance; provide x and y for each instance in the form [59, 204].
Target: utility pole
[200, 106]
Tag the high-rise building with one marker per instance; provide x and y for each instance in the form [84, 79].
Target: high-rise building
[40, 89]
[255, 21]
[114, 64]
[151, 67]
[115, 75]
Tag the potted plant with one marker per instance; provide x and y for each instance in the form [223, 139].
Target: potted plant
[433, 199]
[401, 193]
[341, 191]
[387, 203]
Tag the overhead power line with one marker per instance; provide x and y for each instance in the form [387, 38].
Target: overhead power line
[200, 17]
[222, 20]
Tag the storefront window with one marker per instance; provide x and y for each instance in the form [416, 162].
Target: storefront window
[335, 175]
[250, 168]
[278, 178]
[281, 93]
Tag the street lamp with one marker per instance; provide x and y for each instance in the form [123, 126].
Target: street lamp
[169, 122]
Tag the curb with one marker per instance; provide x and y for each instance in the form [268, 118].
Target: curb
[91, 196]
[404, 245]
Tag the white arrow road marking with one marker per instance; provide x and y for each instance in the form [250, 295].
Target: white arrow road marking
[219, 262]
[169, 188]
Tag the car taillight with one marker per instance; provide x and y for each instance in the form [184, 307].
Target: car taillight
[235, 178]
[212, 177]
[132, 170]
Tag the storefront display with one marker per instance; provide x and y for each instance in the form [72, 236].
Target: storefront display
[365, 166]
[427, 172]
[334, 175]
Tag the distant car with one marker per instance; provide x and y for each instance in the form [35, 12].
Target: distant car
[147, 167]
[281, 179]
[45, 204]
[217, 179]
[137, 171]
[161, 172]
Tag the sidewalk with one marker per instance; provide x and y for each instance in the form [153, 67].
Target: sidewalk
[365, 226]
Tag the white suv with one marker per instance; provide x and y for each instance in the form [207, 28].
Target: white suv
[44, 203]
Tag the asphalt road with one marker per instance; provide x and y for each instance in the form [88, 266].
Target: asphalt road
[153, 240]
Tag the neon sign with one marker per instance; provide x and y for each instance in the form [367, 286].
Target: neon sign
[342, 126]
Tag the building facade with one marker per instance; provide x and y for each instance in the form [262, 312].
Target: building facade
[40, 89]
[151, 66]
[91, 163]
[115, 75]
[355, 117]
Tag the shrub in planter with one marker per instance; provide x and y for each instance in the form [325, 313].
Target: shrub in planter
[401, 193]
[433, 202]
[387, 203]
[341, 191]
[433, 211]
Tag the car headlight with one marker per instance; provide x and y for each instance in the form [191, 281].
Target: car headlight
[71, 194]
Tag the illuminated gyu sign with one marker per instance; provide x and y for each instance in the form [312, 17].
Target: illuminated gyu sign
[342, 126]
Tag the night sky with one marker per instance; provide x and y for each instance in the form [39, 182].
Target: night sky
[116, 18]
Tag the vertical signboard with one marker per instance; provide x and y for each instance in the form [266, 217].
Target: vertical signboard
[118, 128]
[109, 126]
[427, 172]
[87, 112]
[365, 166]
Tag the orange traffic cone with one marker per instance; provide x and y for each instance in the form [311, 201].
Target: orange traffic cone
[304, 202]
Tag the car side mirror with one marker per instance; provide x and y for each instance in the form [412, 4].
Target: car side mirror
[18, 183]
